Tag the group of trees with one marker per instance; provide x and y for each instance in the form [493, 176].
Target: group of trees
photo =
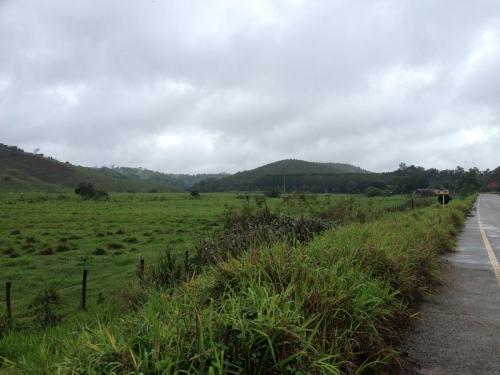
[405, 179]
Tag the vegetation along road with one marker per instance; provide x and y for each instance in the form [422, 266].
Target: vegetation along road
[460, 328]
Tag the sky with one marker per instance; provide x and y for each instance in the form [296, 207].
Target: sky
[226, 85]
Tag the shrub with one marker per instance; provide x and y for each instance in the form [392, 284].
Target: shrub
[62, 248]
[273, 193]
[194, 194]
[115, 246]
[87, 191]
[246, 229]
[44, 309]
[10, 252]
[47, 251]
[31, 239]
[372, 191]
[260, 201]
[167, 270]
[101, 195]
[99, 251]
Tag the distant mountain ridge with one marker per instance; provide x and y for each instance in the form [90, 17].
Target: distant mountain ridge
[179, 181]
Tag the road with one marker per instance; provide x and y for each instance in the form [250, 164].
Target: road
[459, 332]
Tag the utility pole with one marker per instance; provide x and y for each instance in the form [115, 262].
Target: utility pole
[284, 184]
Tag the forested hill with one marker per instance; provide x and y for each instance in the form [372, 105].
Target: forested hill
[24, 171]
[272, 175]
[296, 175]
[294, 166]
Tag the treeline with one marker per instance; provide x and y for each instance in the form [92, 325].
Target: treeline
[406, 179]
[177, 181]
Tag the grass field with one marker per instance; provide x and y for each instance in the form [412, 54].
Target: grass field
[47, 240]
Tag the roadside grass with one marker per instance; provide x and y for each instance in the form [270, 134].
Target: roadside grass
[334, 305]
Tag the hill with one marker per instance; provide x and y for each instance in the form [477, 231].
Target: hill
[273, 175]
[24, 171]
[294, 166]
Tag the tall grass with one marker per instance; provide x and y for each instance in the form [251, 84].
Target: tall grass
[335, 305]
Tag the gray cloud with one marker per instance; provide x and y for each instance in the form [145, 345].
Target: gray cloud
[219, 85]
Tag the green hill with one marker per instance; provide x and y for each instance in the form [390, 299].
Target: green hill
[273, 175]
[294, 166]
[23, 171]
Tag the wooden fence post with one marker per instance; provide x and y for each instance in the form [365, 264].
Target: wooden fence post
[84, 290]
[140, 270]
[8, 295]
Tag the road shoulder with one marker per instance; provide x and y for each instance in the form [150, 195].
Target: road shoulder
[459, 329]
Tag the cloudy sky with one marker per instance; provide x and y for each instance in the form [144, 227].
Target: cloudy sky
[225, 85]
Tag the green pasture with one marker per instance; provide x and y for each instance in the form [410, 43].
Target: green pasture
[47, 240]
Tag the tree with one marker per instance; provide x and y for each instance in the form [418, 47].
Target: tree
[87, 191]
[351, 187]
[372, 191]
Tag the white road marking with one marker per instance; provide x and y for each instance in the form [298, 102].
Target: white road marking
[487, 245]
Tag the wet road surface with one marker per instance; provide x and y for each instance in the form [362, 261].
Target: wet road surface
[459, 332]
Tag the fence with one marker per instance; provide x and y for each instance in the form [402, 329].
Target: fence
[140, 272]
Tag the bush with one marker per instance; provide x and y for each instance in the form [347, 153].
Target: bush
[44, 309]
[10, 252]
[87, 191]
[61, 248]
[47, 251]
[273, 194]
[373, 191]
[168, 270]
[115, 246]
[246, 229]
[194, 194]
[99, 251]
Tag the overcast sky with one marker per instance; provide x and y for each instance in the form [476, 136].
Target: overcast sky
[220, 85]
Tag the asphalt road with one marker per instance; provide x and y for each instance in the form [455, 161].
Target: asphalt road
[459, 330]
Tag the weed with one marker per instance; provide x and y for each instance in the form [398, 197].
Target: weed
[44, 309]
[31, 239]
[10, 252]
[115, 246]
[62, 248]
[47, 251]
[99, 251]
